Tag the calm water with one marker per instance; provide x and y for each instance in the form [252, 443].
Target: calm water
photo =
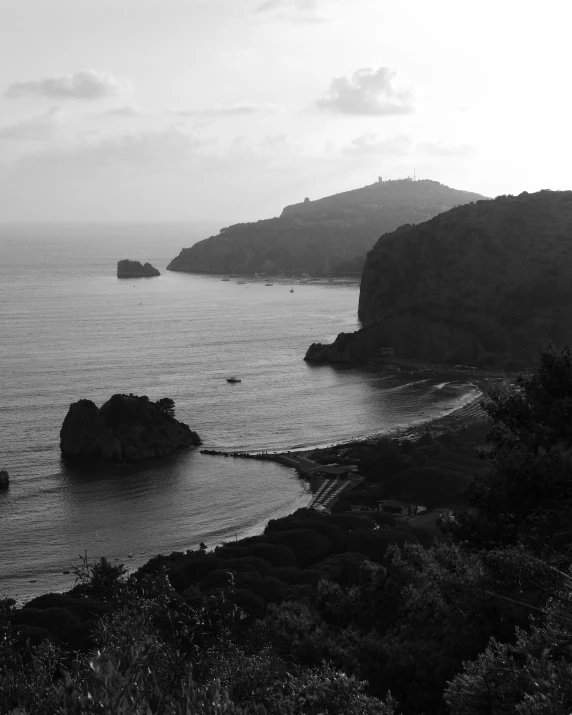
[69, 329]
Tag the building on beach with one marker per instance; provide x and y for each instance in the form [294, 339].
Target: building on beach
[400, 508]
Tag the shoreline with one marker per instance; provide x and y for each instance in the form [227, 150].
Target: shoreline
[454, 420]
[297, 459]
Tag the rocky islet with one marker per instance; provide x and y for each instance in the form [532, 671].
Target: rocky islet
[135, 269]
[126, 428]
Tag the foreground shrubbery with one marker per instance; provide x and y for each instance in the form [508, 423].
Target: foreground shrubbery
[329, 613]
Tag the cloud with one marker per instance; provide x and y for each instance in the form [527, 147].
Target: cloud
[367, 92]
[164, 150]
[87, 84]
[126, 111]
[39, 128]
[275, 141]
[300, 5]
[222, 112]
[301, 11]
[368, 144]
[441, 149]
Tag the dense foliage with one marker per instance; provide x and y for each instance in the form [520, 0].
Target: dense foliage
[336, 613]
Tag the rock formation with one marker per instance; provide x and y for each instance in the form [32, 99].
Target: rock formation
[4, 479]
[126, 428]
[135, 269]
[485, 284]
[330, 235]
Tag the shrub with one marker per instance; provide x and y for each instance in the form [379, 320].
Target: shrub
[248, 563]
[374, 543]
[248, 601]
[268, 588]
[349, 521]
[275, 554]
[308, 545]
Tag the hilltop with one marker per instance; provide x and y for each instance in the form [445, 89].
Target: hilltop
[487, 284]
[328, 235]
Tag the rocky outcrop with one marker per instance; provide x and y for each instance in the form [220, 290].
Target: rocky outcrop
[4, 479]
[327, 236]
[487, 284]
[135, 269]
[126, 428]
[349, 347]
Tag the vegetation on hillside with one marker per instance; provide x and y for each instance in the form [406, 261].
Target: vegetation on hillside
[485, 284]
[336, 613]
[329, 235]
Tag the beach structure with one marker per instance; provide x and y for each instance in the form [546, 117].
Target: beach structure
[400, 508]
[337, 471]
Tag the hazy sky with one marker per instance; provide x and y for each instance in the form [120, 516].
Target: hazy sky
[230, 109]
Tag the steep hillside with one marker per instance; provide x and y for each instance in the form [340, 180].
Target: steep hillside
[486, 284]
[329, 235]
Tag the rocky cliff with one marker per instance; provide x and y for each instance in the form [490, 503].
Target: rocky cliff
[486, 284]
[135, 269]
[126, 428]
[329, 235]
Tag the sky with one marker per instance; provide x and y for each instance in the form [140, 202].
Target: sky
[228, 110]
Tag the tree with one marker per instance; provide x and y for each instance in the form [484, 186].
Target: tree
[166, 405]
[527, 493]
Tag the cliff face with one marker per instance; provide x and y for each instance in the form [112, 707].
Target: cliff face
[135, 269]
[486, 284]
[126, 428]
[330, 235]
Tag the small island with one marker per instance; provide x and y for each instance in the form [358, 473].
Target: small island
[135, 269]
[127, 428]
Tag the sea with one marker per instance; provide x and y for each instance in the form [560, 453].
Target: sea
[70, 329]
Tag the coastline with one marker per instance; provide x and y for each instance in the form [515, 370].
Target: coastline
[455, 420]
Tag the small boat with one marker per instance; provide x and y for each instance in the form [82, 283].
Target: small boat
[269, 284]
[241, 282]
[233, 379]
[225, 279]
[291, 290]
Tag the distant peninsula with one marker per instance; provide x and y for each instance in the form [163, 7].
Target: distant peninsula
[126, 428]
[486, 284]
[326, 236]
[135, 269]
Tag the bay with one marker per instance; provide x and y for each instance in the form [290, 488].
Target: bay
[69, 329]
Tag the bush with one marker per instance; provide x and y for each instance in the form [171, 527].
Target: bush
[307, 545]
[219, 578]
[248, 601]
[344, 569]
[248, 563]
[268, 588]
[275, 554]
[374, 543]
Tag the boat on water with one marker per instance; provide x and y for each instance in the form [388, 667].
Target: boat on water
[233, 379]
[241, 282]
[225, 279]
[269, 284]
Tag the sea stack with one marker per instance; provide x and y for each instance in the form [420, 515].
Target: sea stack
[126, 428]
[135, 269]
